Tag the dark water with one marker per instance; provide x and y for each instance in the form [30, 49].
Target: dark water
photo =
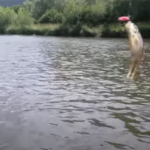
[72, 94]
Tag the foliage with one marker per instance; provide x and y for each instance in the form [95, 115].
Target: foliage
[7, 17]
[86, 14]
[51, 16]
[139, 9]
[33, 29]
[16, 8]
[77, 17]
[24, 18]
[38, 7]
[91, 12]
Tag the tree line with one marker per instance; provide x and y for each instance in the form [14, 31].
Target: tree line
[91, 13]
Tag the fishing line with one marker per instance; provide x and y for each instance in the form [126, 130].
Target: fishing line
[129, 13]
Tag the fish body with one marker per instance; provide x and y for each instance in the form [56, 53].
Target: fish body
[135, 45]
[135, 39]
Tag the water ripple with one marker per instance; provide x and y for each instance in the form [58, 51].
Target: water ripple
[71, 94]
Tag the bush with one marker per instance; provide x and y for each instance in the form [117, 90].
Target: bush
[92, 31]
[144, 29]
[113, 30]
[116, 30]
[24, 18]
[7, 17]
[91, 15]
[72, 12]
[13, 29]
[51, 16]
[32, 30]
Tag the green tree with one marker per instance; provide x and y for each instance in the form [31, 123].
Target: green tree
[38, 7]
[24, 18]
[51, 16]
[7, 17]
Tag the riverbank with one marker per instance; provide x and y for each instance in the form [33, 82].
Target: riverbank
[113, 30]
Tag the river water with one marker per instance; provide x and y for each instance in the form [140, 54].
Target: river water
[72, 94]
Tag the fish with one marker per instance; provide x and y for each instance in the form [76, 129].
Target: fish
[136, 46]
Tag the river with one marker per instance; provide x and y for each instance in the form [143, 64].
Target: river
[72, 94]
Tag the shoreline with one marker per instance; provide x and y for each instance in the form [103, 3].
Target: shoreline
[59, 30]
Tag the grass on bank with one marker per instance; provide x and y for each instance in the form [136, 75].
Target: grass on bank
[116, 30]
[113, 30]
[37, 29]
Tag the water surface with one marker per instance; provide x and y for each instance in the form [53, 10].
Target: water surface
[72, 94]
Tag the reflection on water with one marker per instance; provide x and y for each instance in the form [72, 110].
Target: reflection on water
[72, 94]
